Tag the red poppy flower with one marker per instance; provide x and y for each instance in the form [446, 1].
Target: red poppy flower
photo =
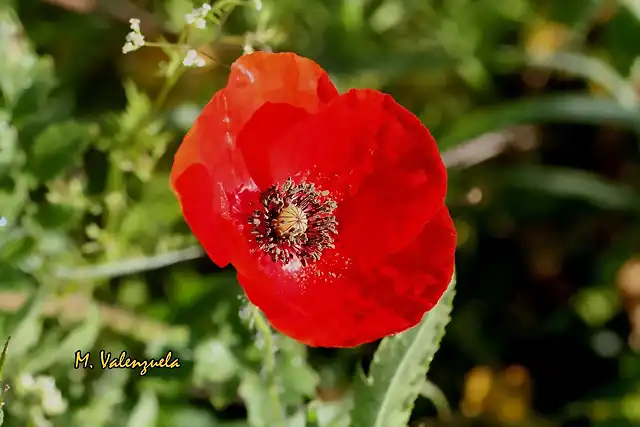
[330, 207]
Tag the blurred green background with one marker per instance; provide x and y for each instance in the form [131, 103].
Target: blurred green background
[534, 103]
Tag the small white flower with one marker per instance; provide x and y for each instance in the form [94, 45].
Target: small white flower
[192, 59]
[190, 18]
[198, 17]
[248, 48]
[3, 221]
[134, 40]
[135, 24]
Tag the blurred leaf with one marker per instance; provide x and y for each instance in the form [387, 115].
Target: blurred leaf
[575, 184]
[260, 408]
[34, 103]
[14, 250]
[176, 10]
[20, 69]
[58, 147]
[594, 70]
[214, 362]
[11, 157]
[633, 6]
[55, 216]
[311, 419]
[13, 198]
[29, 325]
[82, 338]
[385, 397]
[390, 65]
[562, 108]
[334, 413]
[298, 379]
[108, 393]
[145, 413]
[570, 12]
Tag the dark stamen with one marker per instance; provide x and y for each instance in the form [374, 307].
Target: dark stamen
[294, 221]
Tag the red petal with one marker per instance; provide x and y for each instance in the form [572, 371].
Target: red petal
[407, 188]
[197, 198]
[285, 78]
[332, 148]
[365, 149]
[208, 168]
[333, 303]
[268, 125]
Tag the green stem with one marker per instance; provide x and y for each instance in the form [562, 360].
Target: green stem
[270, 365]
[169, 82]
[116, 176]
[128, 267]
[438, 398]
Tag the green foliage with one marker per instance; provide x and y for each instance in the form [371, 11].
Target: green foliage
[385, 396]
[96, 256]
[557, 108]
[58, 148]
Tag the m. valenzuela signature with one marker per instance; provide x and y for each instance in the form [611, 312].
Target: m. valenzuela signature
[122, 361]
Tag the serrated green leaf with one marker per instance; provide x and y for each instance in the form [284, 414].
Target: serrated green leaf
[385, 397]
[3, 358]
[58, 147]
[3, 390]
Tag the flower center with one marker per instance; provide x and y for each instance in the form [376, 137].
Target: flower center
[294, 221]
